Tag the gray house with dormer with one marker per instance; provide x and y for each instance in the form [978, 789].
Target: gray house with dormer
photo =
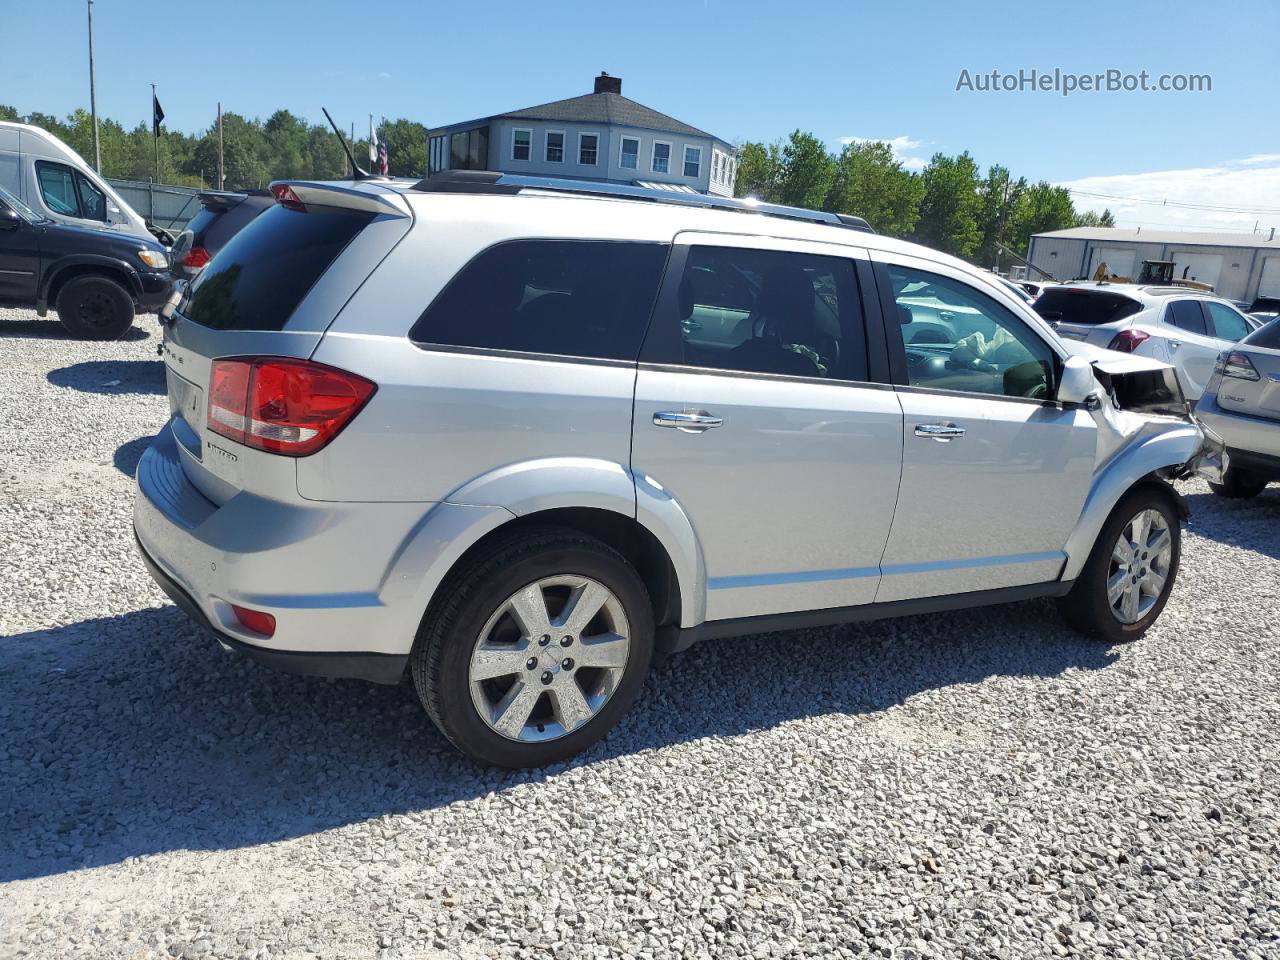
[599, 136]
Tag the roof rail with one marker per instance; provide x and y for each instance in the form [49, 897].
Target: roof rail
[493, 182]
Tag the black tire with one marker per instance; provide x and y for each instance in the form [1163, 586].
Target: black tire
[95, 308]
[1087, 608]
[1240, 484]
[470, 597]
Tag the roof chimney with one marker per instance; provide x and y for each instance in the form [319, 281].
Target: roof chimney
[608, 84]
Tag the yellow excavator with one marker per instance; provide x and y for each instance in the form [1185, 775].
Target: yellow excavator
[1156, 273]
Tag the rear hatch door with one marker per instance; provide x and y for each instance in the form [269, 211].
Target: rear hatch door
[271, 291]
[1242, 394]
[1077, 313]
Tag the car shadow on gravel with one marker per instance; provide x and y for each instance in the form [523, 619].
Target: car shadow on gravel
[128, 454]
[1253, 524]
[136, 734]
[51, 329]
[112, 376]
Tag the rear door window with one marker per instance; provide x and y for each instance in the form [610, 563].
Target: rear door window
[258, 279]
[1187, 315]
[1227, 324]
[576, 298]
[1088, 307]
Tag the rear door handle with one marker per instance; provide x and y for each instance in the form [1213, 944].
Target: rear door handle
[942, 432]
[696, 421]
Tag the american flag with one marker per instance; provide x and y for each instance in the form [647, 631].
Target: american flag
[382, 157]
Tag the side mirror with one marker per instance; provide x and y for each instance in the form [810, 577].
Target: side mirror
[1078, 382]
[9, 219]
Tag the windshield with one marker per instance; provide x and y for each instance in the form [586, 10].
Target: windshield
[18, 207]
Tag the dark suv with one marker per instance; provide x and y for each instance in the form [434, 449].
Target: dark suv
[96, 279]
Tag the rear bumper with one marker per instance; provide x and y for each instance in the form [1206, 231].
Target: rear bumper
[1250, 441]
[377, 667]
[322, 570]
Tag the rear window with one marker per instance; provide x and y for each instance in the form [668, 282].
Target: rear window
[258, 279]
[1086, 307]
[200, 222]
[1266, 336]
[1188, 315]
[578, 298]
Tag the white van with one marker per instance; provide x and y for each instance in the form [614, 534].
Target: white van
[51, 178]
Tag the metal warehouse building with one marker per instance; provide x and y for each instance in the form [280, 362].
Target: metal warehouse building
[1240, 266]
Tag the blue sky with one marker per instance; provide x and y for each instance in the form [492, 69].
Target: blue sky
[744, 70]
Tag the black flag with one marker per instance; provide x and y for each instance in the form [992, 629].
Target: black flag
[157, 114]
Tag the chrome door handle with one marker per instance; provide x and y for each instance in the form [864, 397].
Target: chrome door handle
[689, 421]
[942, 432]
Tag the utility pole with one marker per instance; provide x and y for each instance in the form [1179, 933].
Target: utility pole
[93, 98]
[222, 180]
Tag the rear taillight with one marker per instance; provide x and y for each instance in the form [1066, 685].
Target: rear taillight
[1126, 341]
[255, 620]
[196, 258]
[290, 407]
[286, 197]
[1238, 365]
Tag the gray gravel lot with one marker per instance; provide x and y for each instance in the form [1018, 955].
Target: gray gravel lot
[980, 784]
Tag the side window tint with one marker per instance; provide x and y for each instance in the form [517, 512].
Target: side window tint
[1187, 315]
[577, 298]
[1227, 324]
[958, 338]
[763, 311]
[58, 188]
[93, 202]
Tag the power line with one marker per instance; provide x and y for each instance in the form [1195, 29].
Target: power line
[1186, 204]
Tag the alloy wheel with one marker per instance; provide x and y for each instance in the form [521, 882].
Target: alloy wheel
[1139, 568]
[549, 657]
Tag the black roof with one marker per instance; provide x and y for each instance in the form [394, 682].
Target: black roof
[602, 108]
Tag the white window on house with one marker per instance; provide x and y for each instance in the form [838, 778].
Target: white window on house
[693, 161]
[521, 141]
[717, 166]
[588, 149]
[629, 155]
[661, 157]
[555, 146]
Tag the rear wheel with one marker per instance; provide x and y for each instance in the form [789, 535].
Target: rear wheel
[536, 650]
[1128, 577]
[1239, 484]
[95, 308]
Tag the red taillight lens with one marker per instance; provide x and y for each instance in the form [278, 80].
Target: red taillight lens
[1236, 365]
[1126, 341]
[196, 257]
[286, 197]
[291, 407]
[255, 620]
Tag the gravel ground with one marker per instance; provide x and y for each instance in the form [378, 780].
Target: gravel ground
[980, 784]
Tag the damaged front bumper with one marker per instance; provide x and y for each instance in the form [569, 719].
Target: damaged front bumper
[1211, 461]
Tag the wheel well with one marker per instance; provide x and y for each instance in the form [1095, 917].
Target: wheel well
[65, 276]
[626, 535]
[1159, 483]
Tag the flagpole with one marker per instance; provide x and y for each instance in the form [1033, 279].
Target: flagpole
[221, 179]
[93, 98]
[155, 130]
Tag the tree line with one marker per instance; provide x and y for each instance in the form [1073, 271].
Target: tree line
[951, 205]
[254, 152]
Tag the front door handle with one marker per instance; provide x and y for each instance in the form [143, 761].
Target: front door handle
[1174, 344]
[942, 432]
[695, 421]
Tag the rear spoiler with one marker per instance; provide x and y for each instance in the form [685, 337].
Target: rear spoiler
[220, 202]
[324, 194]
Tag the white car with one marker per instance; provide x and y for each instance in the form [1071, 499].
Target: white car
[1178, 325]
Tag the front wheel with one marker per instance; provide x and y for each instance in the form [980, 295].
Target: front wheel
[95, 308]
[536, 650]
[1128, 577]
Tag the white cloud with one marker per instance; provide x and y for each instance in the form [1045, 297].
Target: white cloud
[901, 146]
[384, 75]
[1232, 196]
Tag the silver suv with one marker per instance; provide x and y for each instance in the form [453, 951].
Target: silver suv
[514, 438]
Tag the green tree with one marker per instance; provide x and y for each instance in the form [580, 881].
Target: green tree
[999, 196]
[807, 172]
[950, 207]
[1091, 218]
[871, 184]
[1043, 207]
[759, 170]
[406, 148]
[9, 113]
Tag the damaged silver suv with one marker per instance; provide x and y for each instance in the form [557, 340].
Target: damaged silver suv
[512, 438]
